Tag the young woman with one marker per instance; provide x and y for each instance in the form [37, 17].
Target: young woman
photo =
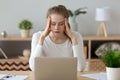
[57, 40]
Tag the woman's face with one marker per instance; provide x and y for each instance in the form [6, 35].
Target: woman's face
[57, 24]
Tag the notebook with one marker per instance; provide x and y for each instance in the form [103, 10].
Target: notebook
[60, 68]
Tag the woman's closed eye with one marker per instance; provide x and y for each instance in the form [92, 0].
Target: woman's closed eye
[53, 24]
[59, 24]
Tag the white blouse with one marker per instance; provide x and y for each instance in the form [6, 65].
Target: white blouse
[51, 49]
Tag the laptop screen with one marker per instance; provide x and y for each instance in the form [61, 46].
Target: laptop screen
[55, 68]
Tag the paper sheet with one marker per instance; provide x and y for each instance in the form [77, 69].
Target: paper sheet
[13, 77]
[3, 75]
[97, 76]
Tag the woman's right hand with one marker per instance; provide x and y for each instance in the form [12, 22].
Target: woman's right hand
[45, 32]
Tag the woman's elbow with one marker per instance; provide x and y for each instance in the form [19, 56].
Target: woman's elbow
[31, 64]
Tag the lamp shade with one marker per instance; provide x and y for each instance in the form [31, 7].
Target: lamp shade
[102, 14]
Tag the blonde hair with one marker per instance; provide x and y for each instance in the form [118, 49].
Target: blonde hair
[60, 9]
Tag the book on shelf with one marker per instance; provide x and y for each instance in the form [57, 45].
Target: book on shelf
[85, 51]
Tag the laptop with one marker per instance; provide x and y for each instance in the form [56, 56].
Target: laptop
[60, 68]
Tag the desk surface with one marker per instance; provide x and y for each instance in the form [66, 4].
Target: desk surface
[31, 75]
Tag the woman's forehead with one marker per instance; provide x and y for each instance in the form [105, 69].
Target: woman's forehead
[57, 17]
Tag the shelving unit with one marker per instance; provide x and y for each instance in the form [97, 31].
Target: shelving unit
[14, 45]
[92, 43]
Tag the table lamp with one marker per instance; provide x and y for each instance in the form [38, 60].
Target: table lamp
[102, 15]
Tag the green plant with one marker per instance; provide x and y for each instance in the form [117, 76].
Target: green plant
[111, 58]
[77, 12]
[25, 24]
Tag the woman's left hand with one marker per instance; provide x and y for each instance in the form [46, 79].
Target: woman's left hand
[69, 33]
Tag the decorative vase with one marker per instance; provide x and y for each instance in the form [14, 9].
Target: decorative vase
[26, 53]
[113, 73]
[3, 34]
[24, 33]
[73, 24]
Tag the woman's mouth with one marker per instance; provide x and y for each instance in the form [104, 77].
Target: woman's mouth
[56, 31]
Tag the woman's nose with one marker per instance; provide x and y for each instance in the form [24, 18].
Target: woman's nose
[56, 26]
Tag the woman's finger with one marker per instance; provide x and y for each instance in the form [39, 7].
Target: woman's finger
[66, 24]
[47, 29]
[67, 28]
[48, 23]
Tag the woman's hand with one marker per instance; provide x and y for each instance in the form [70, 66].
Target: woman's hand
[45, 32]
[69, 33]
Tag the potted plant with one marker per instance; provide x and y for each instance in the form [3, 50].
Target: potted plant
[111, 58]
[77, 12]
[72, 17]
[25, 26]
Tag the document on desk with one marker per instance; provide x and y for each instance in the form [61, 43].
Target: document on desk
[3, 75]
[96, 76]
[12, 77]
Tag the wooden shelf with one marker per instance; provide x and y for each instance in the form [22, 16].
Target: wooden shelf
[14, 38]
[112, 37]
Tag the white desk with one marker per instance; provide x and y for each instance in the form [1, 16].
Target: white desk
[31, 75]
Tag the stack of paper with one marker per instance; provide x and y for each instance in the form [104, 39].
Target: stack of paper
[97, 76]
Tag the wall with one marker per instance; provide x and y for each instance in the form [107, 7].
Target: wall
[13, 11]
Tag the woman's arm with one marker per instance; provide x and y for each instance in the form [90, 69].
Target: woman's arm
[78, 52]
[36, 49]
[37, 43]
[77, 43]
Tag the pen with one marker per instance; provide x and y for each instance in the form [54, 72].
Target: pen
[7, 76]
